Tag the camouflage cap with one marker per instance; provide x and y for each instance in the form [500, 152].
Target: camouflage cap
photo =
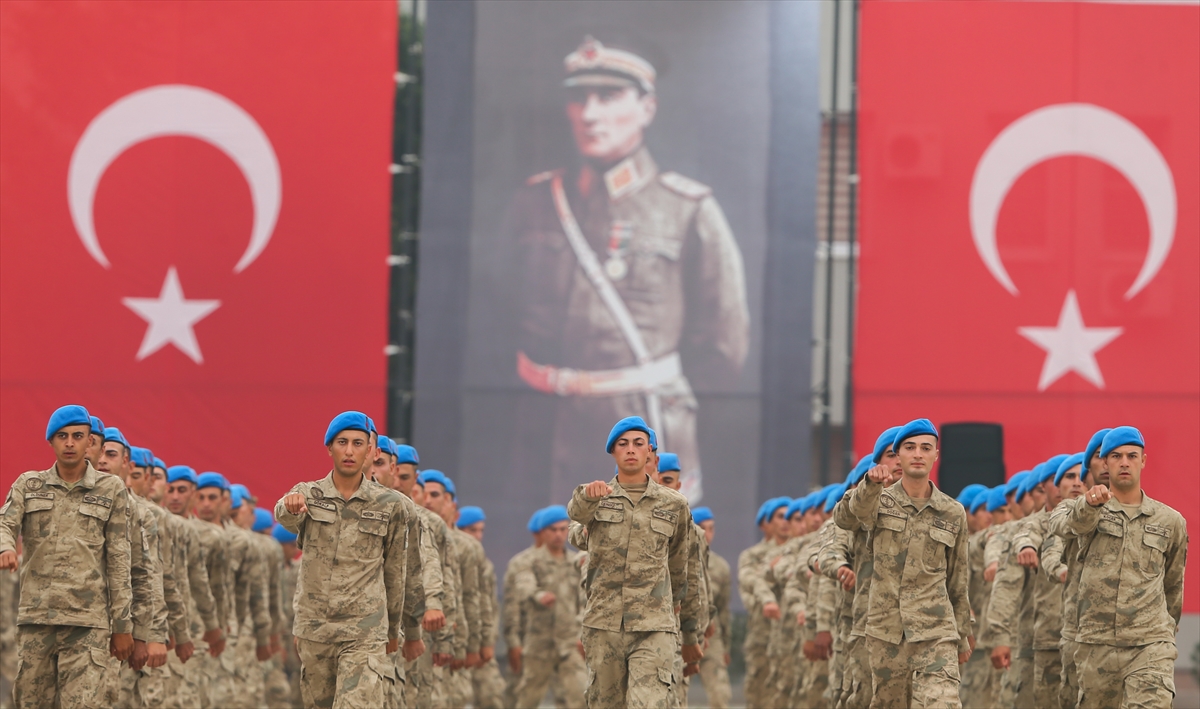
[593, 64]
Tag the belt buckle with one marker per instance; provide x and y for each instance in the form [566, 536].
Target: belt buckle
[565, 381]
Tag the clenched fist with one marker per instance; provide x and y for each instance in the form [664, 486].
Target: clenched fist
[294, 502]
[1098, 495]
[846, 575]
[596, 490]
[1028, 557]
[879, 474]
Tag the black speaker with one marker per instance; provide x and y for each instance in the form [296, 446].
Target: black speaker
[970, 453]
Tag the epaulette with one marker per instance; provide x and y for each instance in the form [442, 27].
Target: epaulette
[542, 177]
[685, 186]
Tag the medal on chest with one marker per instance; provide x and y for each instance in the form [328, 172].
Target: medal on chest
[618, 247]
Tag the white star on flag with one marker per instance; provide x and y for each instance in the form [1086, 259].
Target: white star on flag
[171, 317]
[1070, 346]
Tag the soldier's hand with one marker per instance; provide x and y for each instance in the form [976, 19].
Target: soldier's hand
[596, 490]
[263, 652]
[1062, 576]
[800, 618]
[727, 659]
[691, 668]
[710, 630]
[692, 653]
[810, 650]
[276, 644]
[156, 654]
[120, 645]
[771, 611]
[294, 502]
[964, 656]
[1028, 557]
[433, 620]
[184, 651]
[824, 645]
[879, 474]
[412, 649]
[486, 654]
[971, 642]
[1098, 495]
[845, 574]
[472, 661]
[139, 655]
[579, 646]
[456, 664]
[216, 642]
[441, 659]
[1002, 657]
[514, 660]
[8, 561]
[546, 598]
[989, 574]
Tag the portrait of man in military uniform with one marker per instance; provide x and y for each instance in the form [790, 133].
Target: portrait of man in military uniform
[630, 275]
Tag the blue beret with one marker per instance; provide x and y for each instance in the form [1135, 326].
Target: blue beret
[158, 463]
[653, 441]
[469, 515]
[1052, 466]
[768, 508]
[387, 446]
[835, 493]
[856, 475]
[701, 514]
[97, 425]
[1031, 481]
[406, 454]
[1093, 446]
[797, 505]
[69, 415]
[969, 493]
[552, 515]
[980, 499]
[263, 519]
[997, 498]
[237, 493]
[439, 477]
[884, 443]
[1015, 482]
[1069, 462]
[211, 480]
[175, 473]
[625, 425]
[916, 427]
[282, 535]
[668, 462]
[348, 421]
[141, 457]
[1121, 436]
[112, 433]
[534, 519]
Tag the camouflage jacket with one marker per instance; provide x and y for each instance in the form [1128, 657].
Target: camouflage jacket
[210, 546]
[174, 573]
[439, 588]
[752, 584]
[271, 553]
[489, 608]
[512, 610]
[1063, 553]
[1131, 584]
[1010, 609]
[550, 630]
[247, 582]
[637, 560]
[353, 583]
[919, 583]
[470, 557]
[697, 577]
[979, 590]
[75, 562]
[146, 574]
[837, 550]
[722, 582]
[1047, 590]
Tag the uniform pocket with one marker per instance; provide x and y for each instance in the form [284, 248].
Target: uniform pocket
[371, 535]
[94, 519]
[383, 667]
[936, 547]
[662, 526]
[666, 676]
[1156, 552]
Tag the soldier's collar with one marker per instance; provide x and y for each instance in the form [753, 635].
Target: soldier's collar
[328, 489]
[630, 174]
[937, 498]
[88, 481]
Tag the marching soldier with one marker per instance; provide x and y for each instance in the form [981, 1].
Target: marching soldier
[487, 685]
[75, 597]
[762, 606]
[513, 612]
[285, 691]
[713, 673]
[638, 254]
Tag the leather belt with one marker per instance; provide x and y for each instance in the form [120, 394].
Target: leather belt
[563, 381]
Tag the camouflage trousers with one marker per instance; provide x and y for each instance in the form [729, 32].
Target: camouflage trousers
[61, 666]
[1016, 683]
[758, 668]
[629, 669]
[921, 674]
[394, 699]
[714, 676]
[837, 663]
[418, 692]
[282, 692]
[1126, 677]
[813, 683]
[543, 670]
[355, 674]
[980, 681]
[487, 686]
[1047, 678]
[143, 689]
[856, 675]
[785, 664]
[1068, 691]
[181, 687]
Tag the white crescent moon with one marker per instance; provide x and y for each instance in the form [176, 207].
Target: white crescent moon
[174, 109]
[1073, 129]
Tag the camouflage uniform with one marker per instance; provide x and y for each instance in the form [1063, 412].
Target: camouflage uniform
[512, 617]
[978, 677]
[713, 673]
[697, 577]
[206, 673]
[551, 634]
[286, 690]
[145, 687]
[821, 611]
[1047, 614]
[10, 592]
[440, 584]
[919, 617]
[756, 593]
[487, 685]
[1010, 620]
[637, 573]
[466, 555]
[274, 692]
[354, 591]
[789, 579]
[241, 684]
[1131, 598]
[856, 669]
[1059, 553]
[75, 583]
[836, 551]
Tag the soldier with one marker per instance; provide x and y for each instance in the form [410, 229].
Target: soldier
[977, 673]
[762, 606]
[348, 619]
[75, 597]
[285, 691]
[918, 620]
[637, 546]
[512, 612]
[548, 586]
[487, 684]
[10, 593]
[1132, 579]
[713, 673]
[638, 253]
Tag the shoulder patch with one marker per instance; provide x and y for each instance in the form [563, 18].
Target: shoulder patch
[542, 177]
[34, 484]
[685, 186]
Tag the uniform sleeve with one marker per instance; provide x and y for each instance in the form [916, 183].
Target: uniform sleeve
[487, 605]
[827, 604]
[716, 328]
[1029, 535]
[1052, 557]
[116, 551]
[12, 516]
[217, 561]
[471, 606]
[724, 593]
[394, 556]
[747, 569]
[835, 551]
[451, 640]
[141, 576]
[996, 548]
[274, 561]
[172, 574]
[695, 602]
[256, 594]
[1173, 572]
[431, 567]
[679, 555]
[414, 574]
[159, 628]
[577, 536]
[289, 521]
[863, 504]
[1080, 519]
[510, 607]
[199, 583]
[843, 517]
[958, 580]
[1004, 607]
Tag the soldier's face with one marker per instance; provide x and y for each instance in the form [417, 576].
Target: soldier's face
[380, 469]
[95, 447]
[208, 504]
[607, 121]
[1098, 470]
[1000, 516]
[1026, 504]
[137, 480]
[1071, 486]
[1038, 496]
[979, 519]
[349, 451]
[114, 458]
[652, 466]
[631, 451]
[710, 527]
[917, 455]
[1125, 467]
[670, 478]
[1053, 496]
[70, 443]
[797, 525]
[779, 523]
[555, 536]
[244, 516]
[405, 478]
[475, 530]
[1014, 507]
[435, 497]
[892, 460]
[179, 494]
[158, 485]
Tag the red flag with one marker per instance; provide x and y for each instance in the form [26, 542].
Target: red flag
[1030, 222]
[194, 204]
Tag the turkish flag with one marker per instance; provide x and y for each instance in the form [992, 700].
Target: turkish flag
[1030, 223]
[194, 200]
